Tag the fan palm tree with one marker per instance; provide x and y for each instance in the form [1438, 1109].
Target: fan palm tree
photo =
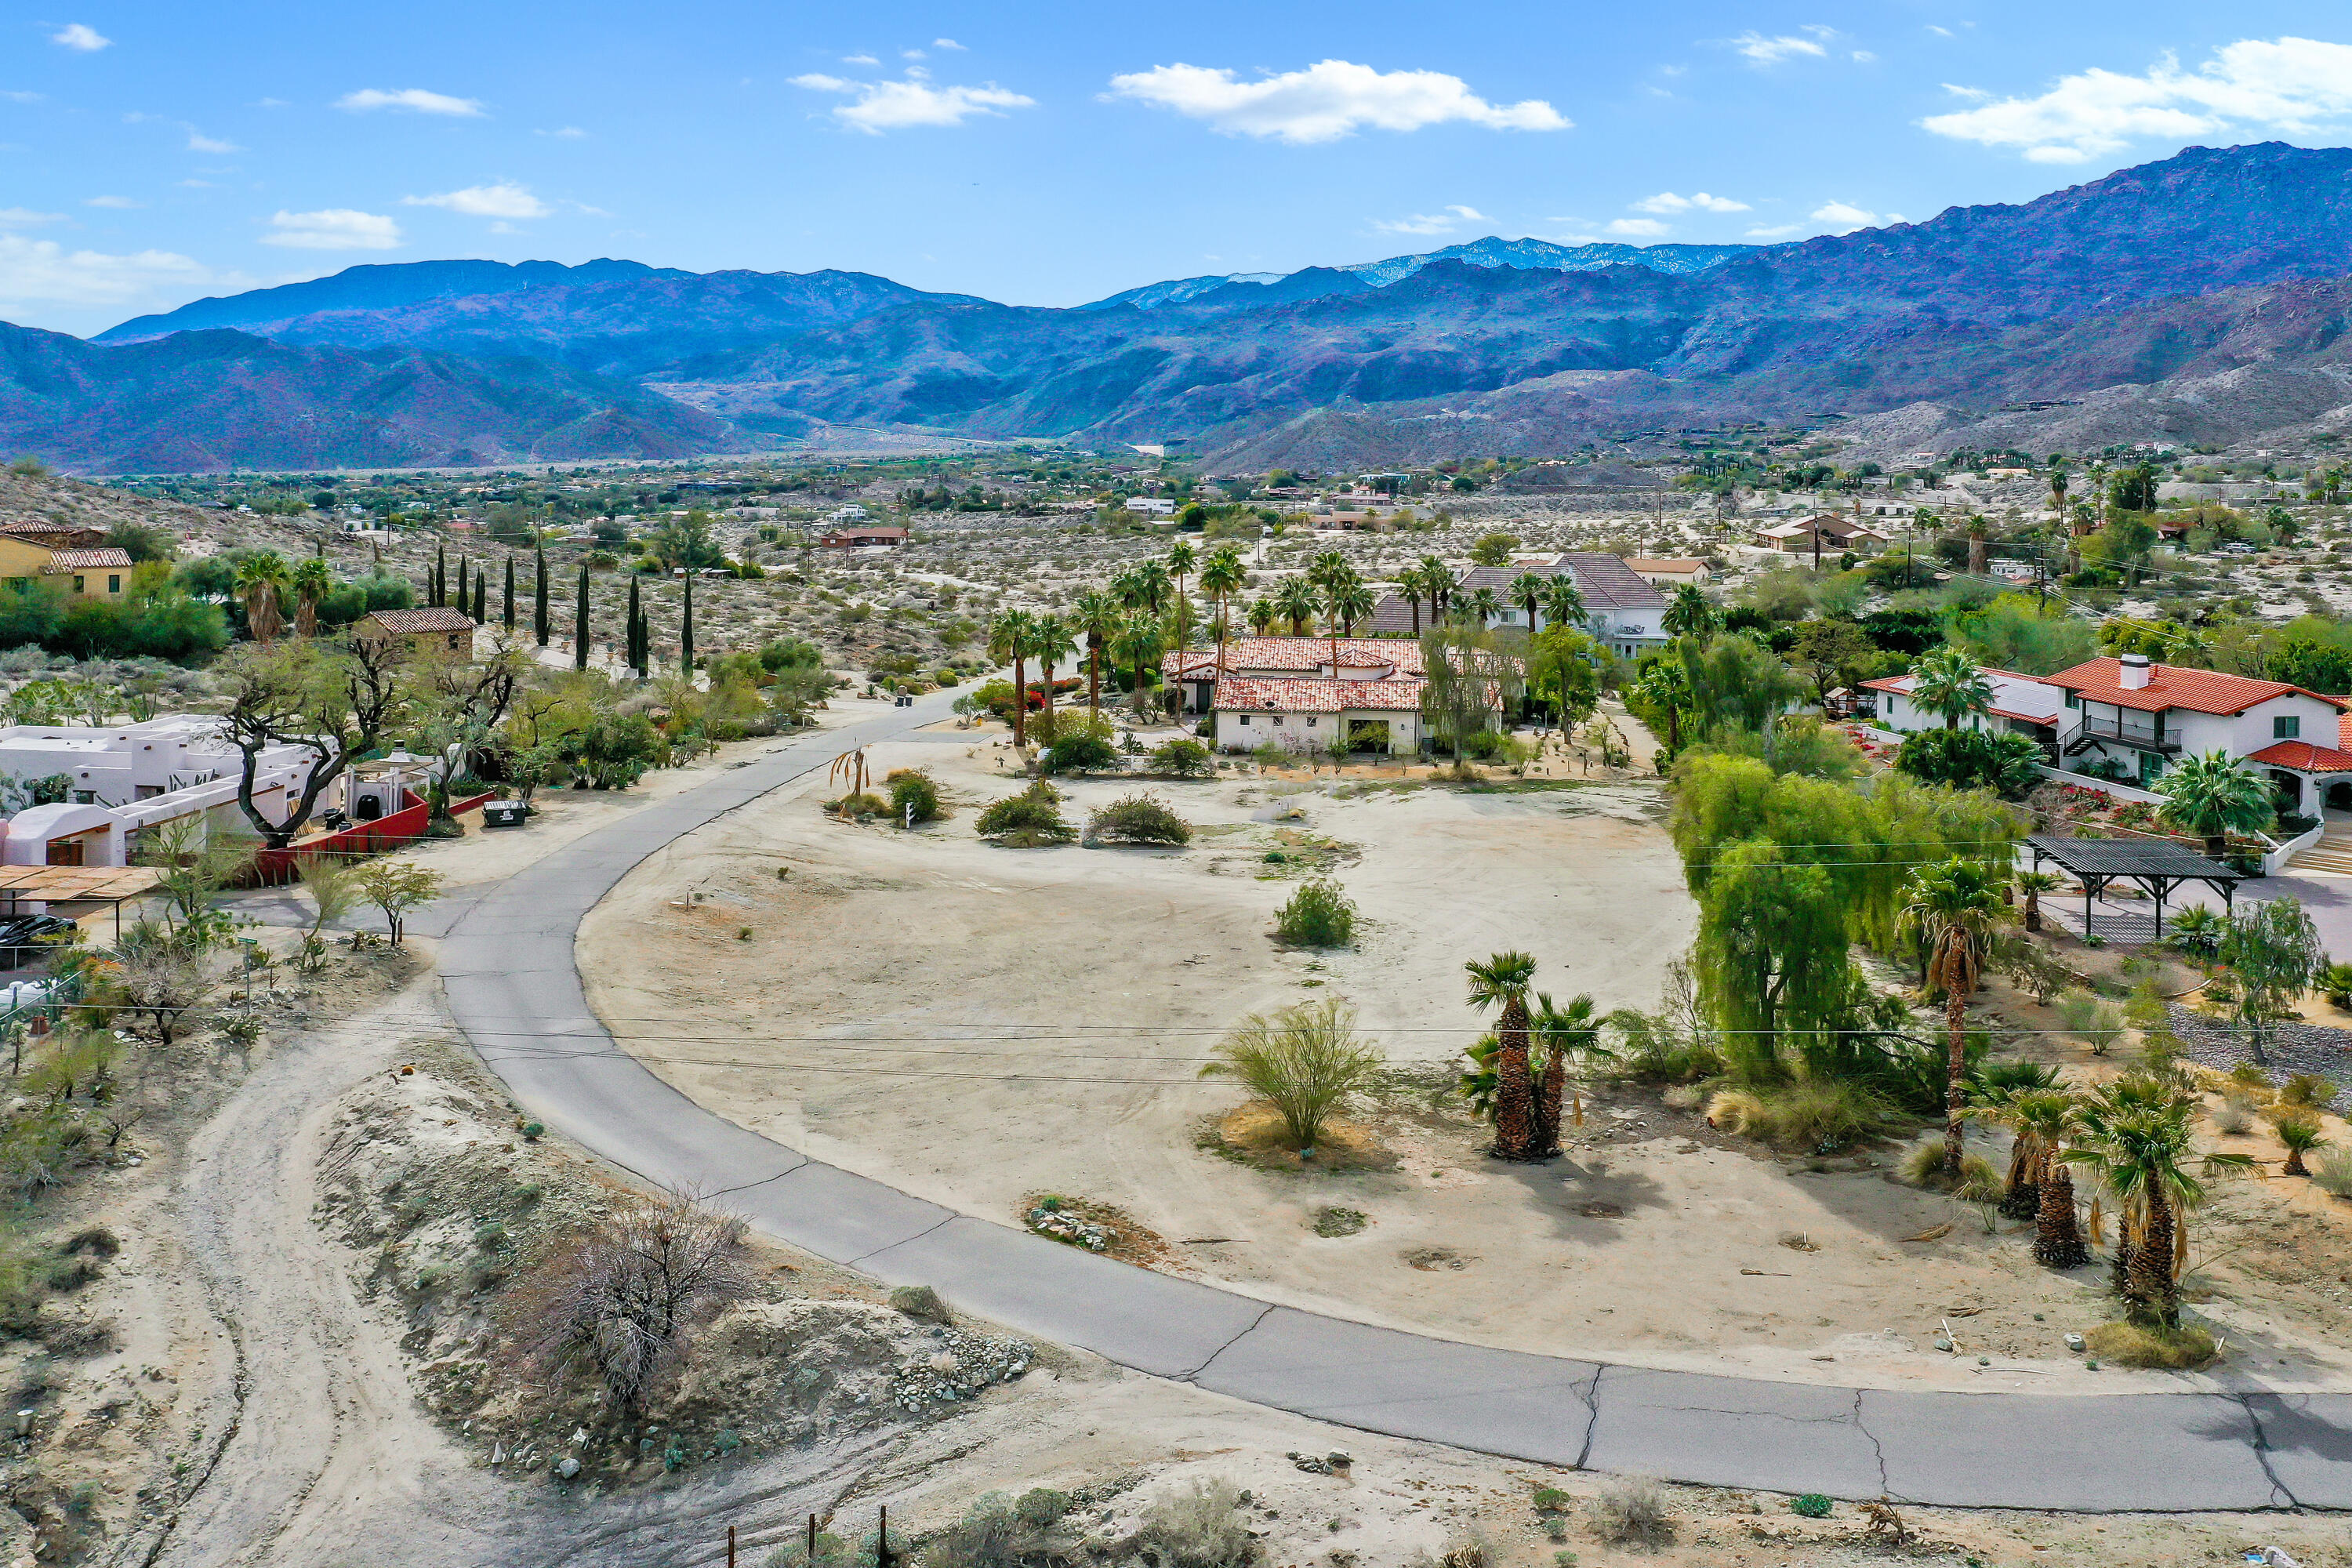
[1136, 643]
[1261, 614]
[1093, 617]
[1346, 600]
[1953, 907]
[1222, 576]
[2137, 1142]
[262, 583]
[1296, 600]
[1528, 592]
[1558, 1035]
[1481, 605]
[1052, 639]
[1182, 561]
[1667, 686]
[1501, 980]
[1437, 577]
[1415, 584]
[1563, 603]
[2014, 1106]
[2211, 795]
[1949, 683]
[2300, 1134]
[1009, 638]
[1145, 587]
[312, 582]
[1327, 568]
[1690, 616]
[2050, 1117]
[2033, 884]
[2058, 492]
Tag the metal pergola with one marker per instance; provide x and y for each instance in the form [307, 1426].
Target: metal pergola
[2156, 866]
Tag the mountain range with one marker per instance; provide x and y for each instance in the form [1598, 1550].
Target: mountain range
[2199, 296]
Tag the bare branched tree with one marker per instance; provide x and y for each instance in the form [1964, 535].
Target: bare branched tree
[623, 1300]
[161, 976]
[336, 703]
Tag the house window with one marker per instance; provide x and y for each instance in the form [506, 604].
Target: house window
[1310, 721]
[452, 639]
[1244, 719]
[78, 585]
[114, 583]
[2288, 727]
[2075, 699]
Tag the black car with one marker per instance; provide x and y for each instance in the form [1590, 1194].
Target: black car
[26, 940]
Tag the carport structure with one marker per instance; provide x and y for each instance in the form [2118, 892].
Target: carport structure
[95, 886]
[2155, 866]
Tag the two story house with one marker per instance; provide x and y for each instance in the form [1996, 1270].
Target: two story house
[77, 558]
[1621, 610]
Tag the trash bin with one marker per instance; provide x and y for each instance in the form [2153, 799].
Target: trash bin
[503, 813]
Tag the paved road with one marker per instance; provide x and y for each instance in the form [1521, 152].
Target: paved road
[508, 970]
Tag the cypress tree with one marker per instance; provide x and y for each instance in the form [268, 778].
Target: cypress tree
[481, 598]
[538, 599]
[461, 600]
[636, 654]
[579, 623]
[440, 575]
[509, 616]
[686, 633]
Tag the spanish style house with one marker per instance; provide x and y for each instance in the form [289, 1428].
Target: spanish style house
[1292, 692]
[1620, 609]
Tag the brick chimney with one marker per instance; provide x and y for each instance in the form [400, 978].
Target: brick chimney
[2135, 671]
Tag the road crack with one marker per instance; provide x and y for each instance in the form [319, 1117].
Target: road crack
[1196, 1372]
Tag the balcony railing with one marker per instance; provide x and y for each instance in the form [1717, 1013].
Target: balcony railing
[2140, 737]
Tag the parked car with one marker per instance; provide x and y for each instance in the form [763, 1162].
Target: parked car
[27, 939]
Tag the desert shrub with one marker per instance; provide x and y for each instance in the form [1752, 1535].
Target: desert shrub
[1811, 1505]
[911, 788]
[623, 1299]
[2034, 970]
[2129, 1345]
[862, 803]
[1815, 1116]
[2234, 1116]
[2096, 1023]
[1079, 754]
[2331, 1171]
[1028, 820]
[1304, 1059]
[1923, 1166]
[1632, 1511]
[1334, 1222]
[1185, 759]
[1200, 1527]
[2252, 1079]
[2308, 1088]
[1000, 1531]
[1317, 915]
[1137, 819]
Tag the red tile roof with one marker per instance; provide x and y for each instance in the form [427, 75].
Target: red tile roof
[1317, 696]
[1400, 654]
[88, 560]
[2172, 686]
[435, 618]
[2303, 757]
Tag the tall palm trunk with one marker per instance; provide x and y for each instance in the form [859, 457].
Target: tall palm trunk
[2021, 1197]
[2154, 1297]
[2057, 1243]
[1956, 1020]
[1094, 675]
[1515, 1108]
[1551, 1090]
[1020, 700]
[1414, 600]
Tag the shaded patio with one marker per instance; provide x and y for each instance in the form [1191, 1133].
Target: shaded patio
[2156, 867]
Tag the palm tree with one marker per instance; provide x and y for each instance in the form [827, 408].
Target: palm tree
[262, 583]
[1947, 682]
[1502, 981]
[2137, 1142]
[1261, 614]
[1222, 576]
[1136, 643]
[2300, 1135]
[1051, 640]
[1296, 600]
[1410, 588]
[1563, 603]
[1327, 568]
[2210, 795]
[1438, 578]
[1528, 592]
[2050, 1117]
[1666, 685]
[1690, 616]
[312, 583]
[1147, 586]
[1482, 606]
[2033, 884]
[1559, 1033]
[1954, 907]
[2015, 1107]
[1182, 559]
[1345, 601]
[2058, 493]
[1094, 616]
[1009, 638]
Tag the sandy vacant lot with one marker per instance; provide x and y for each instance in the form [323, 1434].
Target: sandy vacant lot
[977, 1024]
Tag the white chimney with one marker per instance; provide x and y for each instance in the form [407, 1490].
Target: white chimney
[2134, 675]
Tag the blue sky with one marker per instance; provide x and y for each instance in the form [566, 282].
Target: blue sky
[1050, 153]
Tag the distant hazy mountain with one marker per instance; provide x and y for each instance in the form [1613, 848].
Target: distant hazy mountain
[1538, 254]
[201, 402]
[378, 286]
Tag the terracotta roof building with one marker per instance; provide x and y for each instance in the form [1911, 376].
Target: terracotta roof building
[437, 631]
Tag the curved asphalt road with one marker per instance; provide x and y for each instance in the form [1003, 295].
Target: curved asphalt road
[508, 966]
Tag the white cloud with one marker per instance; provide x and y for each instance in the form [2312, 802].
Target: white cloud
[1941, 32]
[1667, 201]
[1568, 238]
[332, 228]
[1863, 56]
[1763, 51]
[1845, 215]
[16, 97]
[1637, 228]
[1775, 231]
[895, 105]
[196, 184]
[1446, 222]
[503, 200]
[947, 44]
[2284, 85]
[414, 99]
[199, 143]
[859, 60]
[77, 35]
[25, 217]
[1328, 100]
[564, 132]
[1971, 94]
[43, 272]
[912, 54]
[122, 204]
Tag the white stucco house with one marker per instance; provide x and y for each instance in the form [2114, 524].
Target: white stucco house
[1291, 692]
[1620, 609]
[125, 779]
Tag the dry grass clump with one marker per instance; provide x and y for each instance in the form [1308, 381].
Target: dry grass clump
[2234, 1117]
[1632, 1513]
[1923, 1166]
[1201, 1527]
[1813, 1116]
[2331, 1171]
[2128, 1344]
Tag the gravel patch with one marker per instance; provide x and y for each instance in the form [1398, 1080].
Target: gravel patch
[2293, 1048]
